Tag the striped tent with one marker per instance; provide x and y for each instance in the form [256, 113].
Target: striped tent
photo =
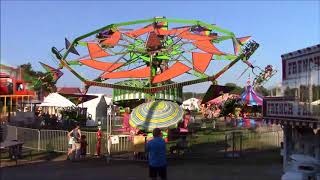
[250, 97]
[156, 114]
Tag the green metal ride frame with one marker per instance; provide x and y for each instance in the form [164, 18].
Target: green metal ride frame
[136, 52]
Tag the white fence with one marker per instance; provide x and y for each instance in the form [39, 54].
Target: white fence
[50, 140]
[56, 140]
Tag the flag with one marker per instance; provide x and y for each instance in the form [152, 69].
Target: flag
[72, 49]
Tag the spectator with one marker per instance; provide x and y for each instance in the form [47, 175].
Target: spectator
[74, 139]
[99, 138]
[83, 146]
[157, 156]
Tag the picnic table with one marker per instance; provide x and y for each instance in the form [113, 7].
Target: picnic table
[14, 146]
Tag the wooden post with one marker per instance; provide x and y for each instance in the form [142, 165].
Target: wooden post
[39, 140]
[233, 144]
[17, 99]
[287, 130]
[5, 105]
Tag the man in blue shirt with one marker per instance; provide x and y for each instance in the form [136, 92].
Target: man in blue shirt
[157, 156]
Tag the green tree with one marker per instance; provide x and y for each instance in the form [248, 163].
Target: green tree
[41, 82]
[236, 89]
[263, 91]
[229, 107]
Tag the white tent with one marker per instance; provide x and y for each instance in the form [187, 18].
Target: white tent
[53, 102]
[191, 104]
[56, 100]
[108, 100]
[96, 109]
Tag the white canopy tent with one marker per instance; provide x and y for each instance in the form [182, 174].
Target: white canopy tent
[191, 104]
[53, 102]
[96, 108]
[56, 100]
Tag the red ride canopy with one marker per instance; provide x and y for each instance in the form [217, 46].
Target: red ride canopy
[96, 51]
[139, 32]
[207, 46]
[201, 61]
[174, 71]
[196, 37]
[113, 39]
[103, 66]
[136, 73]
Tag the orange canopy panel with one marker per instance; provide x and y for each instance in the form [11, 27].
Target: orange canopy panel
[173, 71]
[113, 39]
[103, 66]
[136, 73]
[201, 61]
[96, 51]
[170, 32]
[139, 32]
[208, 47]
[195, 37]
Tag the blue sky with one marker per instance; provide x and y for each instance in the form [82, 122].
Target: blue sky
[30, 29]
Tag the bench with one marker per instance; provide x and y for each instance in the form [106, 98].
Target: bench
[15, 150]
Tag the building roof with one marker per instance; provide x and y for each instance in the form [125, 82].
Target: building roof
[300, 52]
[69, 90]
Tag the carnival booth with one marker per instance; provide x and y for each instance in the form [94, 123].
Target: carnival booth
[250, 98]
[191, 104]
[252, 103]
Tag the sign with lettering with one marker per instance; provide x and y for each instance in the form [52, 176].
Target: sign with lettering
[289, 108]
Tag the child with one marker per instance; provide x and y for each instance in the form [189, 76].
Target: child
[83, 147]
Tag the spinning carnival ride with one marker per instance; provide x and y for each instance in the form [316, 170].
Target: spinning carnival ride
[153, 60]
[154, 53]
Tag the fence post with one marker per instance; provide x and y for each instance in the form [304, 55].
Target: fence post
[16, 132]
[39, 139]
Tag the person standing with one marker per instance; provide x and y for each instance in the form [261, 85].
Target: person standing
[99, 138]
[83, 147]
[156, 149]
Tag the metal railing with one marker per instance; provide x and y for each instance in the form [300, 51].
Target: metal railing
[50, 140]
[56, 140]
[124, 145]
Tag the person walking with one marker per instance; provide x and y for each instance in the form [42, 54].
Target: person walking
[74, 135]
[156, 149]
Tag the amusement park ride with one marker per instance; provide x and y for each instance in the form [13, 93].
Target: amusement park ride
[155, 61]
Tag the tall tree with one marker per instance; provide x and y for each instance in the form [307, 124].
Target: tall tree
[41, 82]
[236, 89]
[262, 90]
